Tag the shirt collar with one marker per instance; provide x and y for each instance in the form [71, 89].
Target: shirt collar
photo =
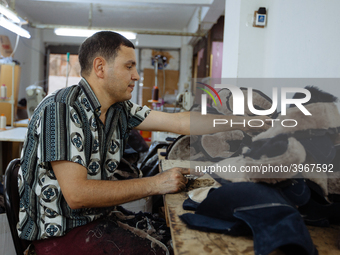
[91, 96]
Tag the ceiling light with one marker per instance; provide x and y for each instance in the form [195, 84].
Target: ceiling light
[14, 27]
[87, 32]
[74, 32]
[9, 14]
[128, 35]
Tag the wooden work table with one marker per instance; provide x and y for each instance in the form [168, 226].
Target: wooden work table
[188, 241]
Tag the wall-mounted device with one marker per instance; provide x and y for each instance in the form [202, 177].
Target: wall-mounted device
[260, 17]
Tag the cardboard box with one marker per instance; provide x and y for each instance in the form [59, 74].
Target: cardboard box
[171, 81]
[6, 78]
[5, 46]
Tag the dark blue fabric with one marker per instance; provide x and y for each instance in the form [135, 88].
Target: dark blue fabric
[275, 227]
[321, 215]
[230, 196]
[273, 218]
[320, 148]
[190, 205]
[319, 211]
[208, 224]
[297, 192]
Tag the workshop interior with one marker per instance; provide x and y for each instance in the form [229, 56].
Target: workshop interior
[260, 191]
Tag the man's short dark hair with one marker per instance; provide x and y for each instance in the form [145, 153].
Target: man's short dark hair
[105, 44]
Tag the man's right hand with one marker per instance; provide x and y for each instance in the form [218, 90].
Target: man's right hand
[171, 181]
[81, 192]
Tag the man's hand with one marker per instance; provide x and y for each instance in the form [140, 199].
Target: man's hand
[171, 181]
[80, 192]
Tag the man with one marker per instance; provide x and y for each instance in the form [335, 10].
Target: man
[75, 140]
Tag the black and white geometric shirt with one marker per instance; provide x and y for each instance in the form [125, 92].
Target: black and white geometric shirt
[66, 126]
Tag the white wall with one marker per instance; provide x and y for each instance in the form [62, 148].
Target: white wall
[185, 74]
[37, 57]
[306, 44]
[158, 41]
[301, 39]
[231, 38]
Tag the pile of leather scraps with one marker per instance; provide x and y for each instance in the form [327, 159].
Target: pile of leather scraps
[273, 206]
[314, 142]
[218, 146]
[127, 167]
[260, 102]
[211, 147]
[138, 158]
[224, 108]
[150, 164]
[145, 225]
[184, 148]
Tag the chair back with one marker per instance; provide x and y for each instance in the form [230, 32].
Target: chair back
[12, 201]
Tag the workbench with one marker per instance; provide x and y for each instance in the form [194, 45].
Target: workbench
[188, 241]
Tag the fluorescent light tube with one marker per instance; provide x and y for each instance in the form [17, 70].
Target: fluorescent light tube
[9, 14]
[128, 35]
[87, 32]
[14, 28]
[74, 32]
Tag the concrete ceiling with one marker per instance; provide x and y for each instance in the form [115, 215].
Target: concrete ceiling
[158, 15]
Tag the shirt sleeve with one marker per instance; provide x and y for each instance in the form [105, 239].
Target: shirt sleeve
[61, 136]
[137, 114]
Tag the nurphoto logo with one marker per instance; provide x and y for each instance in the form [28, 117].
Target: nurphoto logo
[239, 103]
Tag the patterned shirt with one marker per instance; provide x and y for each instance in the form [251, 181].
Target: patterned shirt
[66, 126]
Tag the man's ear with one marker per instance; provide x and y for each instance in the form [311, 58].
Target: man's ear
[98, 66]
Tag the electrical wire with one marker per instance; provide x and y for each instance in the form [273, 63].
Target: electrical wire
[4, 2]
[163, 95]
[16, 46]
[67, 67]
[41, 81]
[23, 41]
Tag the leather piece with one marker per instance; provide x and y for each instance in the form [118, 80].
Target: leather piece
[278, 226]
[274, 220]
[209, 224]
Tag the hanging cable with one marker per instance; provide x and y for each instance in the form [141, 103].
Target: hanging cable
[16, 45]
[5, 3]
[67, 67]
[163, 95]
[90, 15]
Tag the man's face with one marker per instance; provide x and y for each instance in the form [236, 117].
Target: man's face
[122, 74]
